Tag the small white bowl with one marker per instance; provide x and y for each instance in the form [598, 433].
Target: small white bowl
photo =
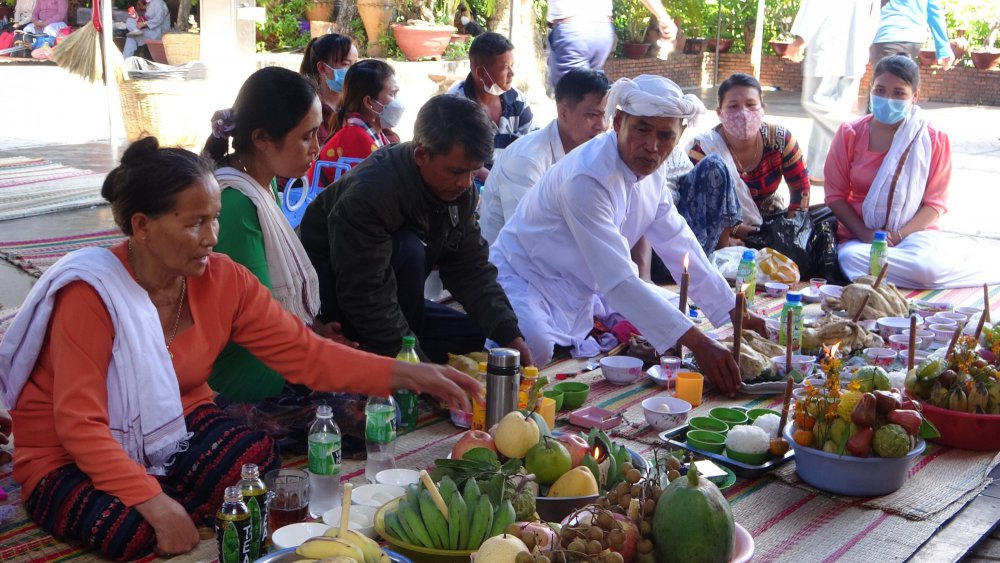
[942, 333]
[361, 518]
[294, 535]
[922, 333]
[937, 319]
[800, 363]
[969, 312]
[889, 326]
[959, 318]
[399, 477]
[831, 291]
[880, 356]
[621, 370]
[920, 355]
[902, 341]
[775, 289]
[375, 495]
[665, 413]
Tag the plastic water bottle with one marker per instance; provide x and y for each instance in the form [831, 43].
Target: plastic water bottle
[746, 274]
[793, 302]
[233, 528]
[255, 497]
[879, 255]
[324, 462]
[406, 399]
[380, 435]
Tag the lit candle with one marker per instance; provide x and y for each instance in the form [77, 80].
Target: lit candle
[738, 324]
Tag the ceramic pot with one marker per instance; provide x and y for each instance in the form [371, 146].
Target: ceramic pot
[635, 50]
[724, 45]
[694, 46]
[422, 41]
[780, 47]
[928, 57]
[985, 59]
[376, 15]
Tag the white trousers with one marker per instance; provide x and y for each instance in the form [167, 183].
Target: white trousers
[830, 101]
[51, 29]
[930, 260]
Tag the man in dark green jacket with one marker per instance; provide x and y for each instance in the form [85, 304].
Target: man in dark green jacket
[375, 234]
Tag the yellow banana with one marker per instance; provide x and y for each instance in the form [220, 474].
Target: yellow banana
[338, 559]
[368, 547]
[326, 547]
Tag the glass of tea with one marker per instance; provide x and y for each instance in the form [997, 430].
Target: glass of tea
[288, 491]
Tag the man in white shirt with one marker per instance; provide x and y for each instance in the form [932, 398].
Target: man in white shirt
[580, 97]
[567, 246]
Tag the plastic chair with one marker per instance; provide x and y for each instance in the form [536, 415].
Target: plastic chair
[294, 199]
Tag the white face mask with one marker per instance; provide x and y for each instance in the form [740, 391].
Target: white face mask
[495, 89]
[391, 112]
[465, 20]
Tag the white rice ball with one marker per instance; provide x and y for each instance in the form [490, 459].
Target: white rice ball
[769, 423]
[748, 440]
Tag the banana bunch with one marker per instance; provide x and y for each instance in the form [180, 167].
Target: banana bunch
[469, 520]
[352, 547]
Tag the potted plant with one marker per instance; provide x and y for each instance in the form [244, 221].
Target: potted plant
[418, 35]
[960, 44]
[927, 55]
[988, 56]
[784, 35]
[376, 16]
[631, 20]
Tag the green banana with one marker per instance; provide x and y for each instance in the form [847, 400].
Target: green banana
[437, 526]
[447, 488]
[410, 516]
[413, 495]
[482, 522]
[458, 522]
[393, 524]
[503, 517]
[471, 494]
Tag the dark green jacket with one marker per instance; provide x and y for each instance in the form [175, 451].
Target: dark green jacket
[347, 232]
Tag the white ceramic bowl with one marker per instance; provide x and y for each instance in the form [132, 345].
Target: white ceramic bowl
[969, 311]
[800, 363]
[889, 326]
[922, 333]
[880, 356]
[375, 495]
[937, 319]
[294, 535]
[621, 370]
[398, 477]
[942, 333]
[959, 318]
[665, 413]
[920, 356]
[775, 289]
[902, 341]
[831, 291]
[361, 518]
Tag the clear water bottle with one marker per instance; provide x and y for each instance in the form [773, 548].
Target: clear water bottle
[746, 274]
[324, 462]
[380, 435]
[406, 399]
[793, 302]
[879, 254]
[255, 497]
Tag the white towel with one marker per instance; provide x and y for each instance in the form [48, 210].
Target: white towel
[712, 143]
[294, 282]
[912, 178]
[145, 414]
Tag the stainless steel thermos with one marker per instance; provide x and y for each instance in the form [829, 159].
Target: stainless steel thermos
[503, 378]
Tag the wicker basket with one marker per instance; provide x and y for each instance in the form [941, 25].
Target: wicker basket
[162, 108]
[182, 47]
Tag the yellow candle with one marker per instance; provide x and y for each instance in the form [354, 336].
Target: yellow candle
[547, 409]
[689, 386]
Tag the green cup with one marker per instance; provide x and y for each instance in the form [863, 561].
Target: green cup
[749, 459]
[752, 414]
[574, 393]
[557, 396]
[706, 441]
[708, 423]
[732, 417]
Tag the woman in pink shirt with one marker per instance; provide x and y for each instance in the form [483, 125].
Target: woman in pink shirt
[890, 171]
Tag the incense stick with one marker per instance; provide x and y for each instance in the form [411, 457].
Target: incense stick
[881, 275]
[911, 352]
[861, 310]
[954, 341]
[986, 302]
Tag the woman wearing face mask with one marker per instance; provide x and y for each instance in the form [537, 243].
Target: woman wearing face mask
[325, 64]
[758, 156]
[890, 171]
[365, 120]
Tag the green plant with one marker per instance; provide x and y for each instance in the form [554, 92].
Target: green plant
[457, 51]
[978, 17]
[282, 30]
[356, 29]
[389, 46]
[631, 18]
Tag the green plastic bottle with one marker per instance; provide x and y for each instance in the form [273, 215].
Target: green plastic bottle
[746, 275]
[233, 528]
[793, 302]
[255, 497]
[879, 254]
[406, 399]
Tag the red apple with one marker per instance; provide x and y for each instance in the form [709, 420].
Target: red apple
[472, 439]
[628, 549]
[576, 445]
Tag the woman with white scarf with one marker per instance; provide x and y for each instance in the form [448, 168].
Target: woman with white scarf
[890, 171]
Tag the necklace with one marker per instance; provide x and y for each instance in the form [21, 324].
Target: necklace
[739, 165]
[180, 301]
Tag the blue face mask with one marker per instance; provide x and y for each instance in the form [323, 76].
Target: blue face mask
[889, 111]
[336, 84]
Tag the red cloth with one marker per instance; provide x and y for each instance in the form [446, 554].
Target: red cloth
[624, 330]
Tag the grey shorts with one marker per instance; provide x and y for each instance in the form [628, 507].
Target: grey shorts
[878, 51]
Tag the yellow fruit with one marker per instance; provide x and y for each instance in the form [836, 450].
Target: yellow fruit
[515, 435]
[323, 547]
[848, 400]
[368, 546]
[500, 549]
[577, 482]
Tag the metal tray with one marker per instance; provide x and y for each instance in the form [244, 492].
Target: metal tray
[288, 555]
[678, 438]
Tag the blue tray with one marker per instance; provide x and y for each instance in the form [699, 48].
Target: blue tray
[288, 555]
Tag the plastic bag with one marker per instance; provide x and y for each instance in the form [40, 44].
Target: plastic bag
[727, 260]
[790, 237]
[775, 266]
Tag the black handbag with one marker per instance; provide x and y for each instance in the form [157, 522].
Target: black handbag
[808, 239]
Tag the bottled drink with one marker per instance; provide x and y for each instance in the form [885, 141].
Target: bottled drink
[879, 254]
[746, 275]
[233, 528]
[528, 379]
[406, 399]
[255, 497]
[324, 462]
[793, 302]
[479, 407]
[380, 435]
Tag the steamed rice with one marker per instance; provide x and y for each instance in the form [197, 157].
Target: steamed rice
[769, 423]
[748, 440]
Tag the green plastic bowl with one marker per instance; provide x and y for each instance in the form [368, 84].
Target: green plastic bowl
[574, 393]
[752, 414]
[749, 459]
[732, 417]
[706, 441]
[708, 423]
[557, 396]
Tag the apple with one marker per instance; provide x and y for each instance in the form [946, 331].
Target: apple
[515, 435]
[472, 439]
[548, 460]
[627, 549]
[576, 445]
[545, 537]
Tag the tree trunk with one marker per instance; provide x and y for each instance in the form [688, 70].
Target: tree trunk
[529, 52]
[183, 11]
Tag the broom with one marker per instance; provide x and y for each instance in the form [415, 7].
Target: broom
[81, 52]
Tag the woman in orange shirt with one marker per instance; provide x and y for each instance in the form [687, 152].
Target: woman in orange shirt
[107, 364]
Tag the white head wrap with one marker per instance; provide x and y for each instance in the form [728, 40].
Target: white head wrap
[648, 95]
